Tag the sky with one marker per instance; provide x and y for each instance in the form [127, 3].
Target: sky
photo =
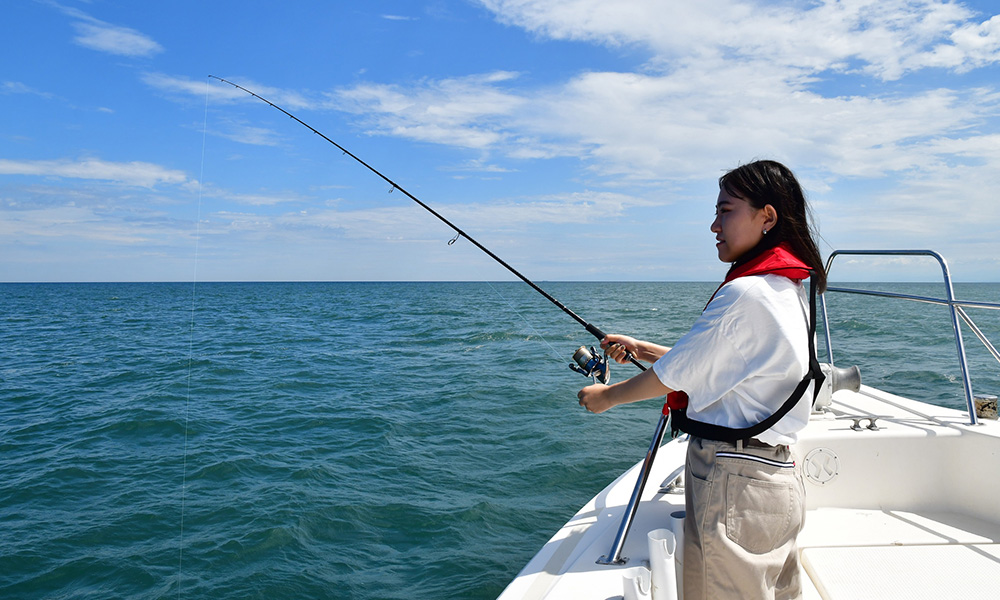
[576, 139]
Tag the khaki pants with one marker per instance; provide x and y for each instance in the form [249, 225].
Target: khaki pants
[745, 507]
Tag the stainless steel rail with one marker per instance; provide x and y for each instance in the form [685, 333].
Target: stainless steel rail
[955, 307]
[614, 556]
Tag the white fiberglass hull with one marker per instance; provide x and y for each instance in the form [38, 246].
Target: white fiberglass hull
[908, 510]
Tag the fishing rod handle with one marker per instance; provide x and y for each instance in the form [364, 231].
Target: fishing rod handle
[597, 333]
[600, 335]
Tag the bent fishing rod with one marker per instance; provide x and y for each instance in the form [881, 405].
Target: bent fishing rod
[588, 363]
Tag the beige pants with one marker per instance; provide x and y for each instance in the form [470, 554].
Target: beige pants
[745, 507]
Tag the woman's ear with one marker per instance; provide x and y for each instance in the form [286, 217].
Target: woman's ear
[770, 217]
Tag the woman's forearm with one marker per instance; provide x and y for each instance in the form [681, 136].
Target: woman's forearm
[599, 397]
[650, 352]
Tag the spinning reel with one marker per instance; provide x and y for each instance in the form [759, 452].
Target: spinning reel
[592, 364]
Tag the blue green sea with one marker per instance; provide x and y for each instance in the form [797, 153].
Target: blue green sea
[345, 440]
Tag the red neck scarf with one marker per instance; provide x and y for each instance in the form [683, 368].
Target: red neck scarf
[778, 261]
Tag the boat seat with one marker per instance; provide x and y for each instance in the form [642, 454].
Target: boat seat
[854, 553]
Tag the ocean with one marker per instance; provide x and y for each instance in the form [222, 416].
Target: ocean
[346, 440]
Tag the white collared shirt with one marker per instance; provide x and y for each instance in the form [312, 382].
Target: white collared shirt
[744, 356]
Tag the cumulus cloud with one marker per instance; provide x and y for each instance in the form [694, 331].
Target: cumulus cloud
[724, 77]
[885, 38]
[718, 78]
[655, 125]
[973, 45]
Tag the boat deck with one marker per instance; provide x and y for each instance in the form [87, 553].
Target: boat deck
[889, 554]
[907, 510]
[912, 510]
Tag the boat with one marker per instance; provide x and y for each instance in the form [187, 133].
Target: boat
[903, 497]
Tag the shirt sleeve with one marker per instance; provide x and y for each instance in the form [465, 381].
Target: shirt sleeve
[706, 362]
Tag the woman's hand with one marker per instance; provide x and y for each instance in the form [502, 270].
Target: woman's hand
[595, 398]
[623, 348]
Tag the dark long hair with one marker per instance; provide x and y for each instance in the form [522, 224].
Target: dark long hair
[766, 182]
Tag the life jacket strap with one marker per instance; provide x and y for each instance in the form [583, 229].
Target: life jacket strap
[676, 404]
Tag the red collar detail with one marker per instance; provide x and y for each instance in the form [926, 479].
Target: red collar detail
[778, 261]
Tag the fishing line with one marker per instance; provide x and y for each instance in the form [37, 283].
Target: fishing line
[526, 321]
[190, 365]
[589, 327]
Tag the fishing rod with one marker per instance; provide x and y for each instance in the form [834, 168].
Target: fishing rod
[588, 363]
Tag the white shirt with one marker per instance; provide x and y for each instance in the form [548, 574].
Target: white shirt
[744, 357]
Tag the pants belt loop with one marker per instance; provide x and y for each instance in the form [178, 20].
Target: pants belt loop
[739, 445]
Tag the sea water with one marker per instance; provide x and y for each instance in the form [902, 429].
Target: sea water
[345, 440]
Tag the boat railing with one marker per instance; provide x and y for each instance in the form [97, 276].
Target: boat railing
[614, 555]
[956, 308]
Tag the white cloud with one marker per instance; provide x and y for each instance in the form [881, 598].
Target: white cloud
[673, 125]
[973, 45]
[135, 173]
[221, 92]
[186, 86]
[104, 37]
[720, 80]
[262, 199]
[586, 207]
[70, 222]
[408, 221]
[16, 87]
[113, 39]
[887, 37]
[724, 78]
[246, 134]
[465, 112]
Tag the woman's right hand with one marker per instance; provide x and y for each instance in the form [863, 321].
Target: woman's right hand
[621, 348]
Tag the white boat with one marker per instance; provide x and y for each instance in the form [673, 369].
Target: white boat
[903, 499]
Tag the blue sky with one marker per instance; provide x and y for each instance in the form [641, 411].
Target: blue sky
[577, 139]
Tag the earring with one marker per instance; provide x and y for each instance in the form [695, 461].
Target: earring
[765, 232]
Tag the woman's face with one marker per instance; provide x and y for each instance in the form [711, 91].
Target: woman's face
[738, 226]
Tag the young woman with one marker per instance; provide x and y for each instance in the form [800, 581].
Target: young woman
[743, 361]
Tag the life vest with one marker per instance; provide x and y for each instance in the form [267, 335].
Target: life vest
[779, 261]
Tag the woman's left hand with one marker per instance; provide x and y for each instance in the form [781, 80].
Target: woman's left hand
[595, 398]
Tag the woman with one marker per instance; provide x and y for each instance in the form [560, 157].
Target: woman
[747, 358]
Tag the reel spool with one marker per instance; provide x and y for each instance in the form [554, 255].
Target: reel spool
[592, 364]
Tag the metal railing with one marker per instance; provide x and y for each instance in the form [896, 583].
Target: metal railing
[956, 308]
[614, 556]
